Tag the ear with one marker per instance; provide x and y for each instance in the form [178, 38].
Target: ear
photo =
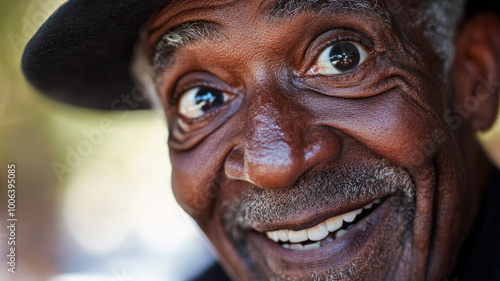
[476, 73]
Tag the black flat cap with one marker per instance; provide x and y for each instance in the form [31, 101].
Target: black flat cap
[81, 55]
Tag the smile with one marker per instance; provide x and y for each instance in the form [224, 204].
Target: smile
[300, 234]
[321, 234]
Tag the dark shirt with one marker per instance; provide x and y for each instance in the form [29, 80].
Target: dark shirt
[480, 256]
[214, 273]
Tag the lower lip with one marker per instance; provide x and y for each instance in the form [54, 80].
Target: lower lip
[337, 253]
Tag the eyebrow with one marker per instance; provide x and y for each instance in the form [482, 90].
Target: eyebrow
[180, 36]
[290, 8]
[189, 32]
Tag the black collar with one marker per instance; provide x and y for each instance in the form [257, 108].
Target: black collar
[480, 256]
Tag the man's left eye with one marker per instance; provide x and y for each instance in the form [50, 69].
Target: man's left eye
[339, 58]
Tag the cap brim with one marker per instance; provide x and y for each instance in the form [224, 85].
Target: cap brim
[82, 54]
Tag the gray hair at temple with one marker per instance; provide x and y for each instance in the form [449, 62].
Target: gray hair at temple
[442, 18]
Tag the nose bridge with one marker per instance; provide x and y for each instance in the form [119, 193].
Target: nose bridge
[273, 140]
[274, 153]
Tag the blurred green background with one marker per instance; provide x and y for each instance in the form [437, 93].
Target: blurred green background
[109, 214]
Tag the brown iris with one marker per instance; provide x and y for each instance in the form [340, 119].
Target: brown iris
[345, 56]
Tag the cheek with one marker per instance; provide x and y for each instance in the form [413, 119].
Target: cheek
[394, 127]
[196, 174]
[193, 186]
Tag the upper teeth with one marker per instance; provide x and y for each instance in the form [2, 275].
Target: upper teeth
[317, 232]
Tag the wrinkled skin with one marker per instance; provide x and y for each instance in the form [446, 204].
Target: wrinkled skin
[291, 147]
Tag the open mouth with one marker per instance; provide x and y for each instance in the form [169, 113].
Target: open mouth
[328, 247]
[323, 233]
[338, 232]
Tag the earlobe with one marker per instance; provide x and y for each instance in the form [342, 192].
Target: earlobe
[476, 71]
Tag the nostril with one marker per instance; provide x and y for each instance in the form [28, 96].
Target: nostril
[321, 143]
[274, 166]
[276, 178]
[278, 164]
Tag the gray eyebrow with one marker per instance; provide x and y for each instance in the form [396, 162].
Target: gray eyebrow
[189, 32]
[290, 8]
[180, 36]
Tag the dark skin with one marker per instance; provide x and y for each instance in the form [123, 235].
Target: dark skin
[289, 144]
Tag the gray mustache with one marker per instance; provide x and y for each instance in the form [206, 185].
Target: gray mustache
[316, 190]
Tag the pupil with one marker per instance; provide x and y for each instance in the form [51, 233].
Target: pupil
[344, 56]
[209, 98]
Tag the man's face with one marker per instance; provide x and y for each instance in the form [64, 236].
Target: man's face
[308, 140]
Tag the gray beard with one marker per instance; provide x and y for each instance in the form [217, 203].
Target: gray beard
[316, 190]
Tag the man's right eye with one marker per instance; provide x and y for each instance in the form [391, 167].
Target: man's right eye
[196, 102]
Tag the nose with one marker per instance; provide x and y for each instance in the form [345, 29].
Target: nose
[280, 143]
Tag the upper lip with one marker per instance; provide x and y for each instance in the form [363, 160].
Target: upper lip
[310, 218]
[316, 196]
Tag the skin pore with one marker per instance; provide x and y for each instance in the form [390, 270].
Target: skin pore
[280, 122]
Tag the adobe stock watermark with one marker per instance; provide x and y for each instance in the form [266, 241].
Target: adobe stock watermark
[92, 138]
[454, 117]
[12, 218]
[29, 25]
[130, 101]
[75, 155]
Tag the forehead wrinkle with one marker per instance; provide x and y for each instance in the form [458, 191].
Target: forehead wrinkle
[180, 36]
[290, 8]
